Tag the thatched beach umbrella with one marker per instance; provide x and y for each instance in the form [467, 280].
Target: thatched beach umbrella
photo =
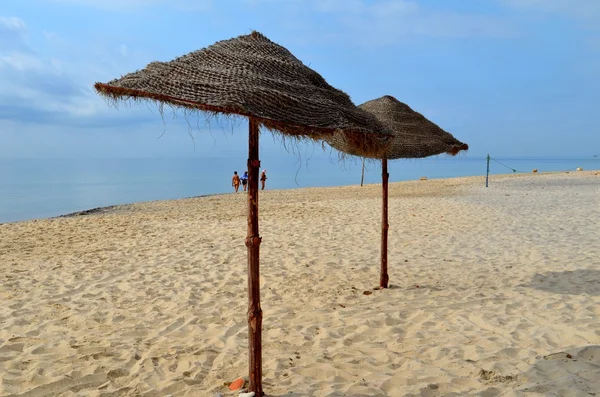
[253, 77]
[413, 137]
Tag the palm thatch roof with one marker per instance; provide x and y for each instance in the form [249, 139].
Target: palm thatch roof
[254, 77]
[414, 136]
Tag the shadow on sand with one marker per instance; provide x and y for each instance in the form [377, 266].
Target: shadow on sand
[576, 282]
[574, 372]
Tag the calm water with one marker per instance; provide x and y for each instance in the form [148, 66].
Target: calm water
[31, 189]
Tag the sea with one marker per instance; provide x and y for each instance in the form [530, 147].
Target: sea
[43, 188]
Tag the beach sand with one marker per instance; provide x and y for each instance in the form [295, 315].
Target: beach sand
[493, 292]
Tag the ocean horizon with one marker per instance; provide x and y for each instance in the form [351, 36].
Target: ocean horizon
[43, 188]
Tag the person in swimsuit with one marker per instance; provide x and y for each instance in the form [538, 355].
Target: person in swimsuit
[235, 181]
[263, 179]
[245, 180]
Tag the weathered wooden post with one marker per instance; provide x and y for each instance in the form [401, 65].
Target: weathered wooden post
[384, 278]
[253, 241]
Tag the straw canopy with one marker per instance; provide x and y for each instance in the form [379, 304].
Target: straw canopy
[254, 77]
[414, 136]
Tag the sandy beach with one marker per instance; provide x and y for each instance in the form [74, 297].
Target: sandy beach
[494, 292]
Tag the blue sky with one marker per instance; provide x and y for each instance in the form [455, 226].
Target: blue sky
[509, 77]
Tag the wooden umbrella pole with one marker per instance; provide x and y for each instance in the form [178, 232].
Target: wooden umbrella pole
[253, 241]
[384, 278]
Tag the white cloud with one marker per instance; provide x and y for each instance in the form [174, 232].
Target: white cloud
[375, 8]
[21, 62]
[584, 9]
[12, 23]
[380, 22]
[388, 22]
[37, 89]
[50, 35]
[133, 5]
[384, 9]
[12, 34]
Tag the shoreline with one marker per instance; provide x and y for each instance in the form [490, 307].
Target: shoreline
[125, 206]
[118, 207]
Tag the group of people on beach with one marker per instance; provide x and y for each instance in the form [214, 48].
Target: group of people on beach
[243, 180]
